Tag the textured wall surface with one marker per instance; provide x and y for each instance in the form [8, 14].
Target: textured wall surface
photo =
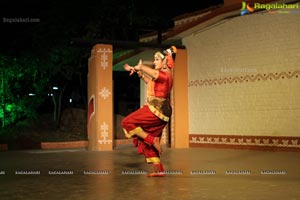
[244, 76]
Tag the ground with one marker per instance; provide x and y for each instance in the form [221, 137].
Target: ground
[194, 173]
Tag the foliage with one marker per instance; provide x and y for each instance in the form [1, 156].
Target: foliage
[65, 66]
[22, 88]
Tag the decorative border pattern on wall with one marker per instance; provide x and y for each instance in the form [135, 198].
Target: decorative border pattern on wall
[243, 79]
[269, 143]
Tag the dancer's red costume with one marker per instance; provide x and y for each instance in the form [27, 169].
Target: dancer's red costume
[152, 117]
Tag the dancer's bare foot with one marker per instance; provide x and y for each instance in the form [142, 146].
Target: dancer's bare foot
[157, 174]
[158, 171]
[156, 145]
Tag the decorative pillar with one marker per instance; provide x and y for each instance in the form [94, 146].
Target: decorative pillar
[180, 116]
[100, 99]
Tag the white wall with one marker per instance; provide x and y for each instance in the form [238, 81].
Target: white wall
[264, 48]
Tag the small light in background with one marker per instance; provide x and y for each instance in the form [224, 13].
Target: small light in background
[55, 88]
[31, 94]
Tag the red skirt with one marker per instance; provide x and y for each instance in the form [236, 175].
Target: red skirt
[145, 119]
[151, 124]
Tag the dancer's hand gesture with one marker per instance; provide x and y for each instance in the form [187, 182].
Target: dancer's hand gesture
[129, 68]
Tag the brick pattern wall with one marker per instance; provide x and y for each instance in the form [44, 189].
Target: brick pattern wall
[244, 76]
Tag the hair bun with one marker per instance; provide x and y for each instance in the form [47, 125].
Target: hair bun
[173, 49]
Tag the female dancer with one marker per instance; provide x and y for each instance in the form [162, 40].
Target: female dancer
[146, 124]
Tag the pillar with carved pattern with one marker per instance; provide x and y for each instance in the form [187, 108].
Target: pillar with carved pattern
[100, 99]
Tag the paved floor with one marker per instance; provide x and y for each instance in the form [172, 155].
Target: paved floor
[196, 173]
